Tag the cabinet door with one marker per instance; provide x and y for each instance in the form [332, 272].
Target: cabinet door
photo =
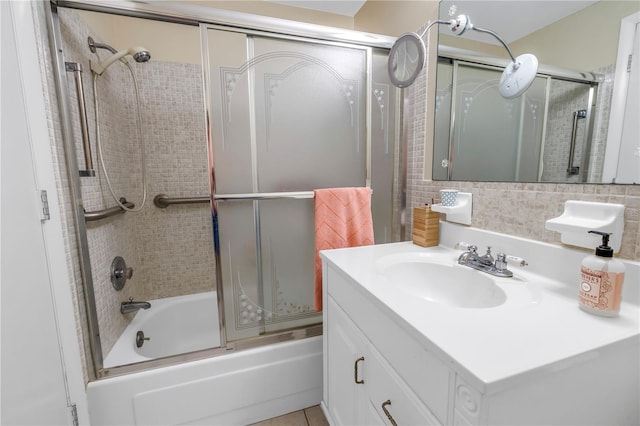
[346, 365]
[391, 397]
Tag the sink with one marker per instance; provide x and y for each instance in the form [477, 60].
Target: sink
[442, 281]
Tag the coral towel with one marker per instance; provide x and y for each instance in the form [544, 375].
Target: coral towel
[343, 219]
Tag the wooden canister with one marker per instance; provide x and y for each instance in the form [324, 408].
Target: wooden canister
[426, 226]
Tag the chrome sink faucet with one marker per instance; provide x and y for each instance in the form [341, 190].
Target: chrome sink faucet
[131, 306]
[486, 263]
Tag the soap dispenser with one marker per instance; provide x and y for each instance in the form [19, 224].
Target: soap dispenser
[601, 280]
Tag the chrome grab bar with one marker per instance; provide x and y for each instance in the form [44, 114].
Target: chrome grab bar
[163, 201]
[105, 213]
[571, 169]
[76, 69]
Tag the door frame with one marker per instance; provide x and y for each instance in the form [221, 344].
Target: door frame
[619, 96]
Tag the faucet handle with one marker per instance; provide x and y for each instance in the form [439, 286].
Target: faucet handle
[501, 261]
[518, 260]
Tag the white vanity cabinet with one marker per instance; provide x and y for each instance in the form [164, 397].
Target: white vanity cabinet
[388, 360]
[360, 385]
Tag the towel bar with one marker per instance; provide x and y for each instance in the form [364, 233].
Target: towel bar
[264, 196]
[163, 201]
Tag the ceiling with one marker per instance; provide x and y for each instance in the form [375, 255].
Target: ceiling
[530, 15]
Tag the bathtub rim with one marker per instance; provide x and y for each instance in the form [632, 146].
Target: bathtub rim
[231, 347]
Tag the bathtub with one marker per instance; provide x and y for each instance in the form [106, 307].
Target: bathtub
[174, 325]
[237, 388]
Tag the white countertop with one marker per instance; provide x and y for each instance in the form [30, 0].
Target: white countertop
[491, 347]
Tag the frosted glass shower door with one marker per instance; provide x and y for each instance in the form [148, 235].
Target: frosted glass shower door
[286, 116]
[466, 147]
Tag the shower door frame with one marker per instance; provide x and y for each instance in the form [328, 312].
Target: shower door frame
[195, 16]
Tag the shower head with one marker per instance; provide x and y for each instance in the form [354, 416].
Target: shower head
[139, 54]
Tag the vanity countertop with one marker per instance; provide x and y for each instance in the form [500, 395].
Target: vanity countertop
[493, 347]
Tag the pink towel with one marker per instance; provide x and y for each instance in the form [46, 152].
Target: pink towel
[343, 219]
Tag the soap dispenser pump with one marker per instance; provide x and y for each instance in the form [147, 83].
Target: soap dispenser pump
[601, 280]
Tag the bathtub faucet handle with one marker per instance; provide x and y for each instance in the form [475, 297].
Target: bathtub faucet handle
[120, 273]
[127, 273]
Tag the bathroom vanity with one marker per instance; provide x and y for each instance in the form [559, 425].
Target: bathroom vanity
[411, 337]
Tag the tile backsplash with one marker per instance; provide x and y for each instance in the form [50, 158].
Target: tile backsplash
[521, 209]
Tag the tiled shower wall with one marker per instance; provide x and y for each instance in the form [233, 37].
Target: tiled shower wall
[170, 250]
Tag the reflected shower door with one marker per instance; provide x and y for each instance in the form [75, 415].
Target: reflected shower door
[466, 148]
[286, 116]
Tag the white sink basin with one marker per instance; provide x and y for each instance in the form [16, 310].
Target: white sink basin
[442, 281]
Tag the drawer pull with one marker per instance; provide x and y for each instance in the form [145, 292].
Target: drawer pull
[389, 416]
[355, 371]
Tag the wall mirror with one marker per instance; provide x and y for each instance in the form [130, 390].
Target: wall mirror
[559, 130]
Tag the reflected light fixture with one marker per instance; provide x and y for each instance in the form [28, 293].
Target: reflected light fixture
[408, 55]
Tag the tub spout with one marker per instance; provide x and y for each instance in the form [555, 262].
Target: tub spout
[132, 306]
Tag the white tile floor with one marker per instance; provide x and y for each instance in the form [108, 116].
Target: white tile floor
[312, 416]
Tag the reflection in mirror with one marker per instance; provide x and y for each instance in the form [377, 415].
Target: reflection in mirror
[557, 130]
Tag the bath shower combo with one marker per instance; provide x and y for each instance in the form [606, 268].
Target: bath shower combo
[243, 316]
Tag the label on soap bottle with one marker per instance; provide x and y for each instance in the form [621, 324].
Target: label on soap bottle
[601, 290]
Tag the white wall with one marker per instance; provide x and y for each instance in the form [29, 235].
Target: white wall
[41, 367]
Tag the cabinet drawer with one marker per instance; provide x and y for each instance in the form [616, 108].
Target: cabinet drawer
[425, 374]
[386, 389]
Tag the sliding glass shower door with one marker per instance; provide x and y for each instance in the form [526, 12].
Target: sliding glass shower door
[287, 116]
[466, 148]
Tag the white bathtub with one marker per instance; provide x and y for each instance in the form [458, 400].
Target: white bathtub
[174, 325]
[232, 389]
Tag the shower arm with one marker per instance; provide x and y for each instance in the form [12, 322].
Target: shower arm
[437, 21]
[454, 26]
[484, 30]
[93, 46]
